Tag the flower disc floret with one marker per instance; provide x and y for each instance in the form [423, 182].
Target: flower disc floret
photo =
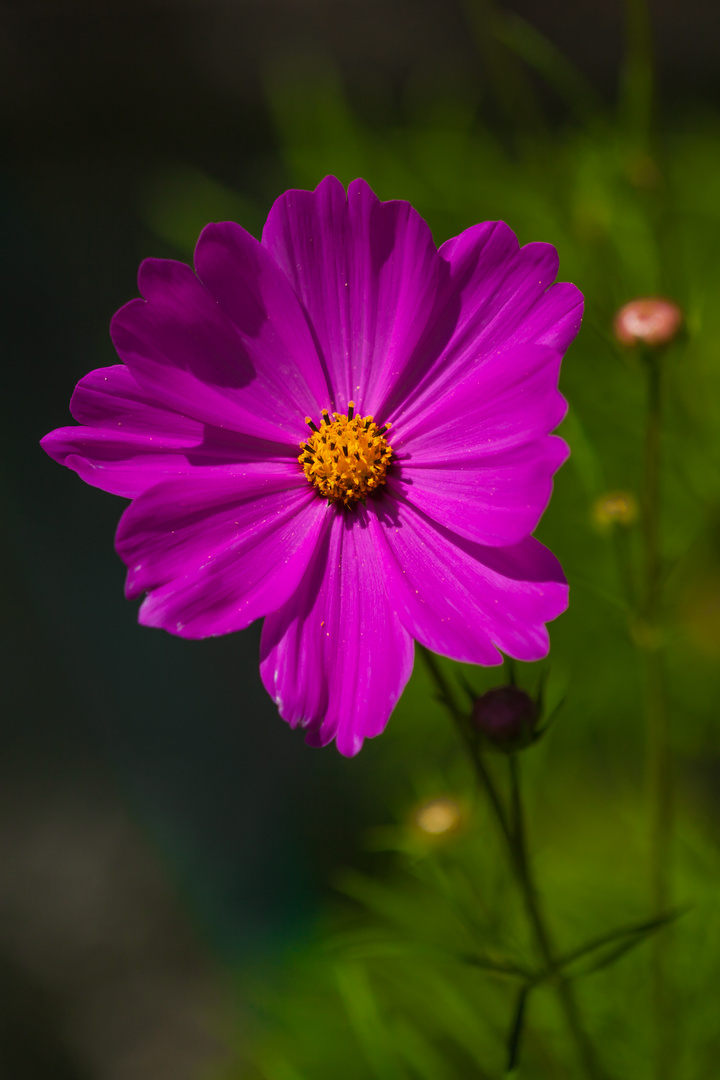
[346, 458]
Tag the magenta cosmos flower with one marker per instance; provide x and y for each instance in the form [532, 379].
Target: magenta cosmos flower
[345, 430]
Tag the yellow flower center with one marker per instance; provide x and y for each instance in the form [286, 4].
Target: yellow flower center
[346, 458]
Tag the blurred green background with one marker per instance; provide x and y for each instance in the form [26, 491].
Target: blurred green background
[186, 889]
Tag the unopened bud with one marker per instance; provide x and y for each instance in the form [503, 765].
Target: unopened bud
[615, 508]
[648, 321]
[438, 816]
[506, 716]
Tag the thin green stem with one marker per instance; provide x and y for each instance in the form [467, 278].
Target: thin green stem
[659, 750]
[547, 949]
[512, 827]
[448, 699]
[627, 571]
[651, 485]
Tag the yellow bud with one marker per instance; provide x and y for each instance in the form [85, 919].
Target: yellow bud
[438, 816]
[615, 508]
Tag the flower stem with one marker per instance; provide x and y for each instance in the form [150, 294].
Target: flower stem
[512, 828]
[659, 755]
[564, 988]
[651, 483]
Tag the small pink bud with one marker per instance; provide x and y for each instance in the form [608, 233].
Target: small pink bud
[649, 320]
[506, 716]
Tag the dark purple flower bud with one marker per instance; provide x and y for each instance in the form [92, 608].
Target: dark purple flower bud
[506, 716]
[649, 320]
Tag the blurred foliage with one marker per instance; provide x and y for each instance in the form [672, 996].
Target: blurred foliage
[179, 201]
[414, 972]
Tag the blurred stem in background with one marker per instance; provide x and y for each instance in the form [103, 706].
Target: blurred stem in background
[512, 828]
[506, 44]
[659, 761]
[512, 92]
[637, 109]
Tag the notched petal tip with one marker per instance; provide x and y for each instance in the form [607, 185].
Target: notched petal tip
[336, 654]
[156, 276]
[349, 744]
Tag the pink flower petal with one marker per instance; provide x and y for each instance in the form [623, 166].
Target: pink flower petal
[260, 302]
[494, 500]
[507, 399]
[217, 551]
[367, 273]
[130, 442]
[335, 658]
[479, 459]
[464, 600]
[498, 296]
[187, 353]
[508, 296]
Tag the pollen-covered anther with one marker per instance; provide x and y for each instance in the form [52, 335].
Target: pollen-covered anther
[346, 458]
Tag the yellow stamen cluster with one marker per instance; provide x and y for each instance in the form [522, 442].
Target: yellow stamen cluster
[346, 458]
